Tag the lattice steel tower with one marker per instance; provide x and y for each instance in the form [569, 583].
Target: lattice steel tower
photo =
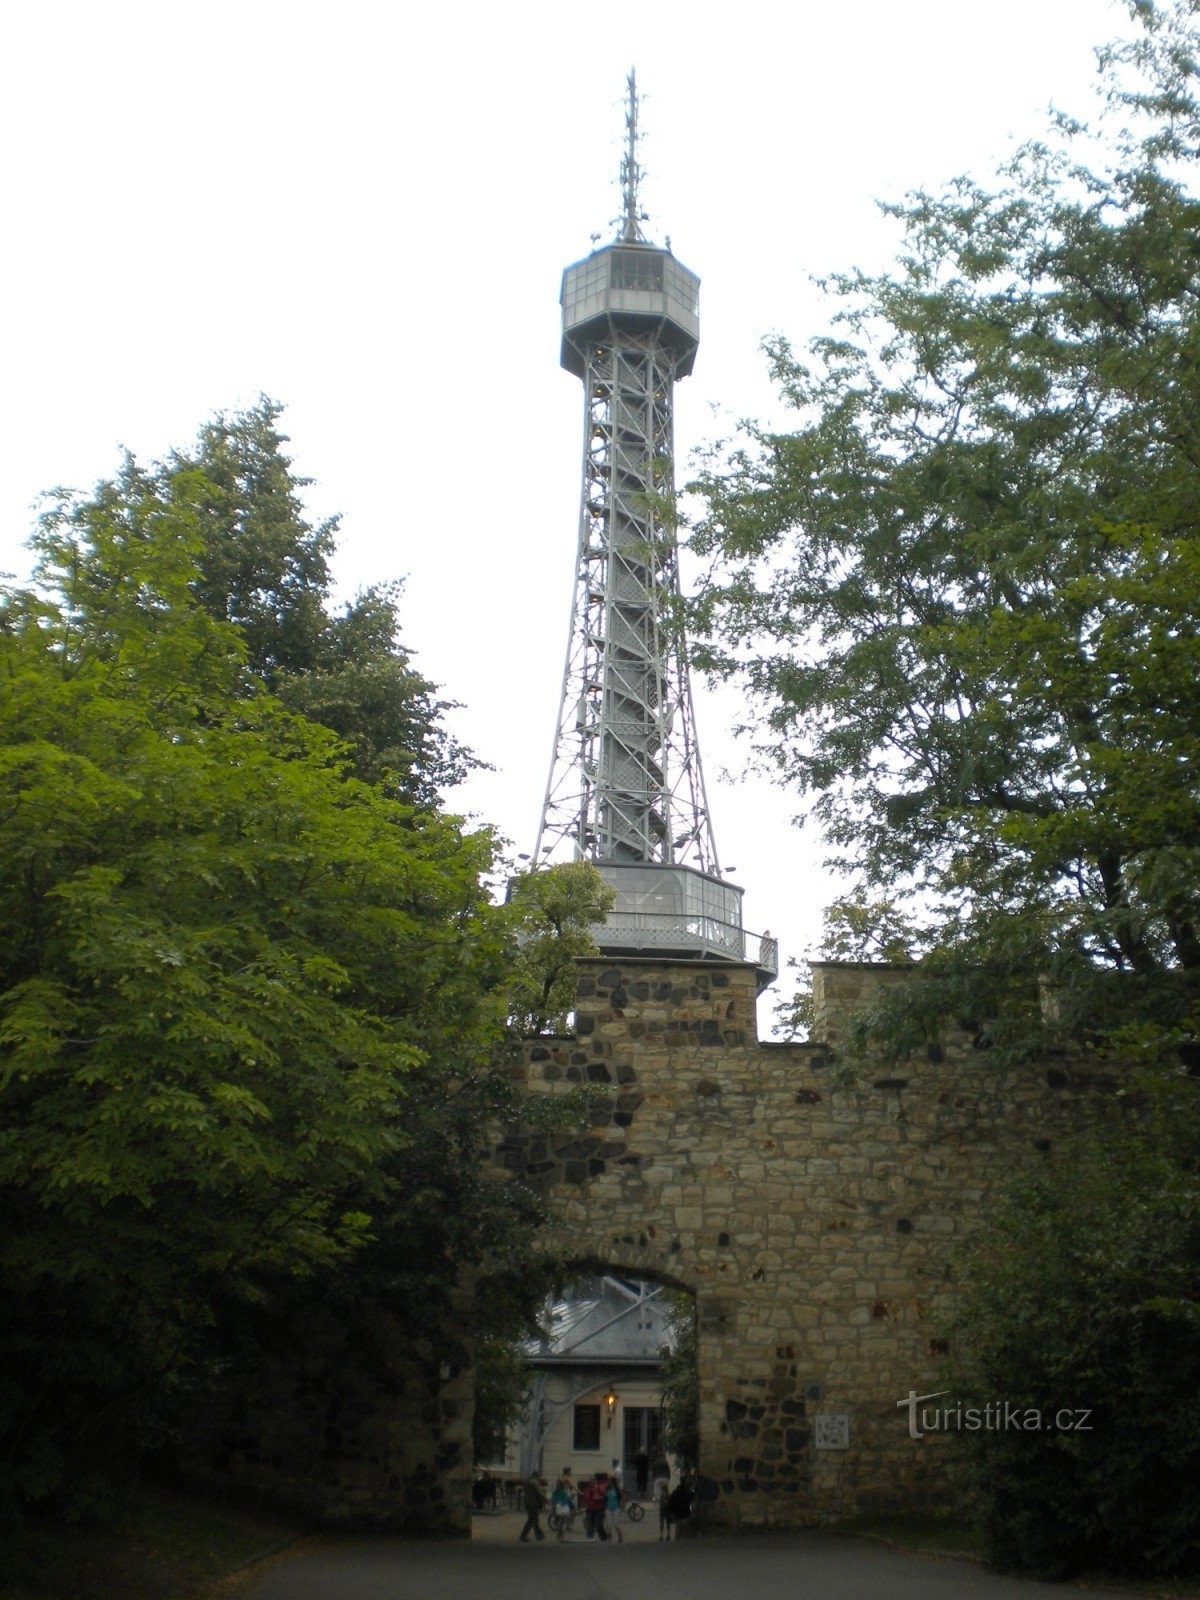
[626, 788]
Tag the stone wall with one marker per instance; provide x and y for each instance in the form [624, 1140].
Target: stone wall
[814, 1222]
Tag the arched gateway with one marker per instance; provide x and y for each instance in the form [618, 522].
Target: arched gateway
[814, 1223]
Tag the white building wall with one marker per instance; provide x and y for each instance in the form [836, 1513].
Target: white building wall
[559, 1450]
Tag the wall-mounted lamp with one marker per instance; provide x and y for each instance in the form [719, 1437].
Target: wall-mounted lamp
[610, 1400]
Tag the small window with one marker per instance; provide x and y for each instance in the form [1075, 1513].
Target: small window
[587, 1428]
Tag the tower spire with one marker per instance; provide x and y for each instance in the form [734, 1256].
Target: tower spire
[632, 215]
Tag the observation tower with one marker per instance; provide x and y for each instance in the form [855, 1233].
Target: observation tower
[626, 789]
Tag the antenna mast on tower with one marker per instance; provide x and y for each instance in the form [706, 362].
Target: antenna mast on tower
[631, 172]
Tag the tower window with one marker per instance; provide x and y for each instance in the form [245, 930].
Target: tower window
[637, 269]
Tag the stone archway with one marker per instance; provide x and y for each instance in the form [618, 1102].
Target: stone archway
[593, 1390]
[812, 1220]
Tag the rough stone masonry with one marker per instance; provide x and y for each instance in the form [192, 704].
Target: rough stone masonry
[813, 1222]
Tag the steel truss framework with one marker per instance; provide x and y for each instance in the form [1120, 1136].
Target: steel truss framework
[626, 783]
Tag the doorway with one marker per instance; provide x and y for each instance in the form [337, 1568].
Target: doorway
[643, 1437]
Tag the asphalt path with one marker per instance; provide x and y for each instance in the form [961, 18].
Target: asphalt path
[494, 1566]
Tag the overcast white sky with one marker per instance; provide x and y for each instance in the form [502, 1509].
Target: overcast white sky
[363, 210]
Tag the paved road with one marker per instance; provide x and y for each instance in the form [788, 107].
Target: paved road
[751, 1567]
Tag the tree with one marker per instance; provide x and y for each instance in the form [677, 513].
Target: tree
[261, 565]
[255, 998]
[501, 1392]
[960, 593]
[252, 1008]
[556, 910]
[366, 689]
[1084, 1308]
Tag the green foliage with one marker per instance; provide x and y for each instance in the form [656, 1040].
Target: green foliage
[961, 597]
[960, 593]
[555, 909]
[260, 564]
[251, 1007]
[679, 1385]
[263, 566]
[501, 1391]
[1084, 1295]
[256, 561]
[366, 689]
[508, 1306]
[856, 929]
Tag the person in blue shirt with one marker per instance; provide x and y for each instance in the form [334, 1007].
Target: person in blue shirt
[612, 1510]
[563, 1506]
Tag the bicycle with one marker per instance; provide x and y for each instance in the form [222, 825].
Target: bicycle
[634, 1511]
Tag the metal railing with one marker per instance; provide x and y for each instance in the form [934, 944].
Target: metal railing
[658, 930]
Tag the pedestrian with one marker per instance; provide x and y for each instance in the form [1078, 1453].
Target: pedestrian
[534, 1501]
[642, 1468]
[563, 1505]
[592, 1495]
[612, 1509]
[662, 1495]
[679, 1505]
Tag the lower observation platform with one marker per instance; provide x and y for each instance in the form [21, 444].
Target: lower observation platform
[676, 913]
